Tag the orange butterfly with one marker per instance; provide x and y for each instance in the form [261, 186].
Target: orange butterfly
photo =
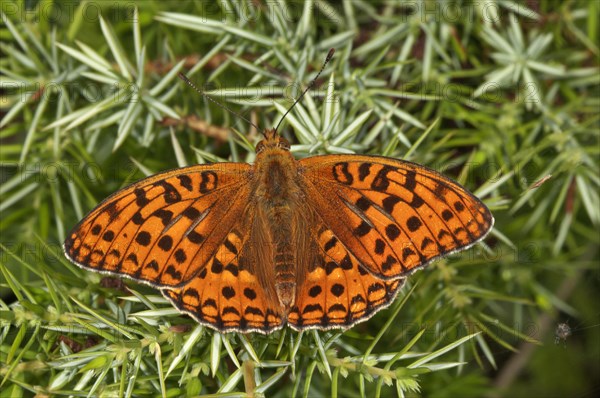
[323, 242]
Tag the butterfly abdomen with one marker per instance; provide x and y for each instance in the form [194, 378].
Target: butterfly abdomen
[279, 220]
[285, 265]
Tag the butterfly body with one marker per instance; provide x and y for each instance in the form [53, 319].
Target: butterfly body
[323, 242]
[277, 199]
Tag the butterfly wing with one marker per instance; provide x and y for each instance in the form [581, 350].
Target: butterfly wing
[163, 229]
[393, 216]
[335, 291]
[235, 291]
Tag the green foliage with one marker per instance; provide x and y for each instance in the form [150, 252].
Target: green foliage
[502, 97]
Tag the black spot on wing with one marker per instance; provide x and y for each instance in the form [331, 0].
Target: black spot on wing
[170, 194]
[230, 310]
[217, 266]
[341, 173]
[137, 218]
[209, 303]
[208, 181]
[389, 203]
[331, 266]
[364, 170]
[379, 246]
[180, 256]
[330, 243]
[375, 287]
[363, 203]
[165, 243]
[253, 311]
[381, 182]
[388, 263]
[250, 293]
[407, 252]
[230, 246]
[440, 191]
[410, 182]
[143, 238]
[192, 293]
[195, 237]
[392, 232]
[315, 291]
[337, 289]
[447, 215]
[140, 197]
[152, 265]
[232, 269]
[413, 223]
[165, 216]
[346, 263]
[108, 236]
[111, 210]
[362, 229]
[185, 181]
[312, 308]
[228, 292]
[416, 201]
[133, 258]
[426, 242]
[191, 213]
[442, 234]
[172, 271]
[337, 307]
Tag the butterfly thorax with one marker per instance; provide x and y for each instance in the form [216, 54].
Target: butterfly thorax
[277, 194]
[275, 173]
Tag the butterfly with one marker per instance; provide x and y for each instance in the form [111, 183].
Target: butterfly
[318, 243]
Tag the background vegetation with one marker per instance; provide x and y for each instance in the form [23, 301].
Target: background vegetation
[501, 95]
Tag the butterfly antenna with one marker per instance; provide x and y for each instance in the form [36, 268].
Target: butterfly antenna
[310, 85]
[223, 106]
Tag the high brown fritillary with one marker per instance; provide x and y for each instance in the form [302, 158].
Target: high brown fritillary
[323, 242]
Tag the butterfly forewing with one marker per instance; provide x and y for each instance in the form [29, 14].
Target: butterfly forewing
[163, 229]
[393, 216]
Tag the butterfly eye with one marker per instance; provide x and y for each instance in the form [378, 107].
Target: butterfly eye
[283, 143]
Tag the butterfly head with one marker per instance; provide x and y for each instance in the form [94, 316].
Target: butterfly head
[272, 140]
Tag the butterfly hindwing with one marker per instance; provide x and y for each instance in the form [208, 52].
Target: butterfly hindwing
[336, 291]
[393, 216]
[234, 291]
[162, 229]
